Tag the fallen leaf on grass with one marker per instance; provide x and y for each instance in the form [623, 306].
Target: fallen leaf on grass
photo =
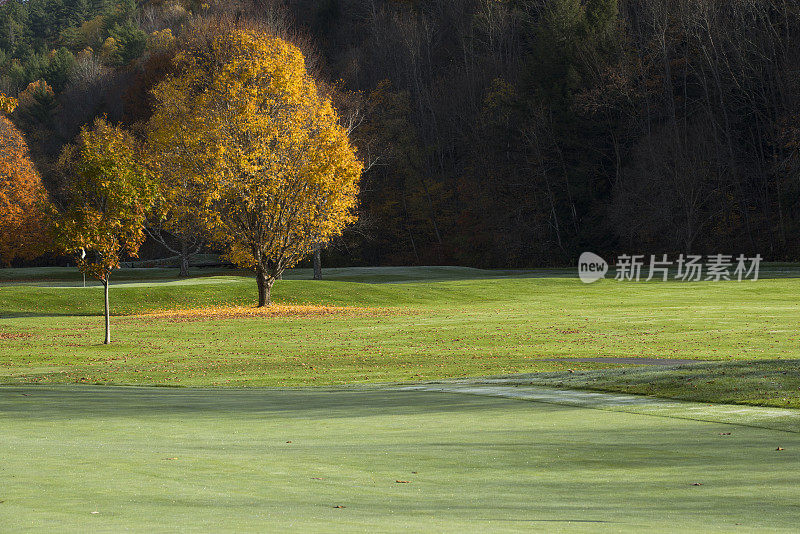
[340, 506]
[402, 482]
[14, 335]
[288, 442]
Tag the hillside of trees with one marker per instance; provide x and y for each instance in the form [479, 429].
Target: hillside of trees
[494, 133]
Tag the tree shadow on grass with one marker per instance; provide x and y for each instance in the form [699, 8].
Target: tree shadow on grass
[104, 401]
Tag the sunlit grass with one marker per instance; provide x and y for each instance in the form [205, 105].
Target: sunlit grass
[336, 332]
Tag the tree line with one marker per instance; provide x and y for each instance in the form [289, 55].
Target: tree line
[494, 132]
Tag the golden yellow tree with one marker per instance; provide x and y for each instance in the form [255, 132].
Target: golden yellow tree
[277, 174]
[109, 197]
[23, 198]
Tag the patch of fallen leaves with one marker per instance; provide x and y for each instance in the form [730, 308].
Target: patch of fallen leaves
[14, 335]
[275, 311]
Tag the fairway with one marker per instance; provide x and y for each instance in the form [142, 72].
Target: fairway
[155, 459]
[403, 325]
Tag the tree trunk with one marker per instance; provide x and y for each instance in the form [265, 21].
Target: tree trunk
[261, 280]
[184, 259]
[318, 263]
[264, 288]
[108, 317]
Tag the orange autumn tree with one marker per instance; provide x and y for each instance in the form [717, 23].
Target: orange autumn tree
[23, 198]
[110, 195]
[276, 173]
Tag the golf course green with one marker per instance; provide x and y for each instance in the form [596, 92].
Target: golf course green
[100, 459]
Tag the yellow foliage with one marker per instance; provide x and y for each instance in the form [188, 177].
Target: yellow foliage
[160, 40]
[109, 48]
[245, 122]
[7, 104]
[109, 199]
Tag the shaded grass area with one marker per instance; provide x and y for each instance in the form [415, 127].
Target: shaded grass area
[370, 275]
[763, 382]
[70, 276]
[155, 459]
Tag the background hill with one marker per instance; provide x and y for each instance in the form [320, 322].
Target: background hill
[507, 133]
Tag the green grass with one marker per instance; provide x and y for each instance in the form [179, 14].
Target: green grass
[475, 323]
[78, 458]
[760, 382]
[194, 460]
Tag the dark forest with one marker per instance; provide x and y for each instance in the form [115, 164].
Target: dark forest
[495, 133]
